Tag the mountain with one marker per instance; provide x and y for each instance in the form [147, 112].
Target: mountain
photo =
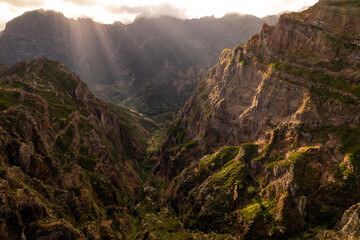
[150, 65]
[68, 160]
[268, 146]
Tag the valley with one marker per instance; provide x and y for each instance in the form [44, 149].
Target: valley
[259, 140]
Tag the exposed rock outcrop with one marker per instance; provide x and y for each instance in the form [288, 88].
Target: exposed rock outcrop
[290, 98]
[66, 157]
[142, 65]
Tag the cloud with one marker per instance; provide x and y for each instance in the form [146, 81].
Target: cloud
[81, 2]
[2, 25]
[148, 10]
[24, 3]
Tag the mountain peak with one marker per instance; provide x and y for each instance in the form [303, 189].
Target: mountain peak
[340, 17]
[288, 99]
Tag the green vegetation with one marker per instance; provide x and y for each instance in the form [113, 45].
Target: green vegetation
[251, 212]
[84, 126]
[347, 3]
[105, 190]
[60, 105]
[157, 140]
[249, 151]
[8, 99]
[12, 191]
[266, 209]
[203, 88]
[226, 51]
[63, 81]
[64, 142]
[189, 144]
[348, 136]
[304, 175]
[20, 72]
[231, 60]
[87, 162]
[218, 159]
[234, 173]
[335, 95]
[183, 147]
[350, 140]
[335, 82]
[176, 132]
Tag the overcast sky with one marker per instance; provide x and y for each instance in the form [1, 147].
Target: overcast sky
[108, 11]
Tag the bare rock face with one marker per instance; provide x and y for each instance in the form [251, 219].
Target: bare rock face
[142, 65]
[65, 156]
[290, 98]
[350, 222]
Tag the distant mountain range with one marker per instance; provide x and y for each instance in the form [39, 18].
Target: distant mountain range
[266, 147]
[150, 65]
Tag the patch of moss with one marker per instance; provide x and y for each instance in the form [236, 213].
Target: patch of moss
[328, 215]
[221, 185]
[348, 136]
[60, 106]
[274, 161]
[231, 60]
[335, 95]
[189, 144]
[305, 176]
[104, 190]
[20, 72]
[203, 88]
[157, 183]
[18, 84]
[59, 111]
[348, 3]
[251, 212]
[176, 132]
[64, 142]
[259, 209]
[8, 99]
[12, 191]
[226, 51]
[156, 142]
[320, 77]
[179, 149]
[84, 126]
[249, 151]
[29, 103]
[87, 162]
[218, 159]
[62, 80]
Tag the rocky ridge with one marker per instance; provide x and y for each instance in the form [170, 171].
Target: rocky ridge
[141, 65]
[68, 161]
[268, 145]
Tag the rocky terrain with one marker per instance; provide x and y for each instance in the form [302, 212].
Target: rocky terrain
[150, 65]
[68, 161]
[268, 146]
[74, 167]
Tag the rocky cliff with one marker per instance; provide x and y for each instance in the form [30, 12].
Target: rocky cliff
[67, 159]
[150, 65]
[268, 145]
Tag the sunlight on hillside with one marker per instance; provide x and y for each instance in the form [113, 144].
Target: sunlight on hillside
[126, 11]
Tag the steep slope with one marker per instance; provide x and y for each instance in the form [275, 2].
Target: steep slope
[67, 159]
[150, 65]
[288, 100]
